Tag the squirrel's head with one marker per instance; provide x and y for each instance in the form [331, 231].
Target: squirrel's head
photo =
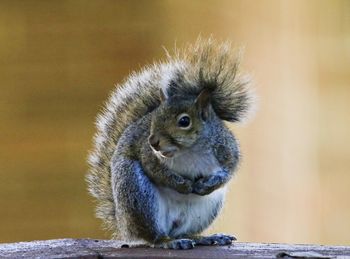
[178, 123]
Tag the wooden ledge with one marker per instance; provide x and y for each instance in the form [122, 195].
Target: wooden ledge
[93, 248]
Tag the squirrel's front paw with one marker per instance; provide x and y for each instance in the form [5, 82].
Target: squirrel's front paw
[205, 185]
[185, 187]
[182, 185]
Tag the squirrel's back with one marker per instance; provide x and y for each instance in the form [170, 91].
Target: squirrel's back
[206, 64]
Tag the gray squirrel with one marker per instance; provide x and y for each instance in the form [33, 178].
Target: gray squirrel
[162, 154]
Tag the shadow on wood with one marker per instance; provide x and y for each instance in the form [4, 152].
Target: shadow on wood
[90, 248]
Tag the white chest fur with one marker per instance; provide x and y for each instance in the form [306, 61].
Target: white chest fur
[181, 214]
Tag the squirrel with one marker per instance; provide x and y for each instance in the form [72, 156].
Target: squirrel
[162, 153]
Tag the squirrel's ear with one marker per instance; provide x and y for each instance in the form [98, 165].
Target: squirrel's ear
[202, 103]
[162, 95]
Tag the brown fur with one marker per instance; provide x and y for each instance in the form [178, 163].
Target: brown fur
[206, 64]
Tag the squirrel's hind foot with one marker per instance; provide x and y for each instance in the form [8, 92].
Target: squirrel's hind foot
[179, 244]
[216, 239]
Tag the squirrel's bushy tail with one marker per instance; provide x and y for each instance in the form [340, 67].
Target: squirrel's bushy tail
[204, 65]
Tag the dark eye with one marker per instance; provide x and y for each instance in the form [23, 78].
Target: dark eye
[184, 121]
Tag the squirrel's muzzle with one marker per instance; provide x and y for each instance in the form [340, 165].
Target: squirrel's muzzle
[154, 142]
[162, 146]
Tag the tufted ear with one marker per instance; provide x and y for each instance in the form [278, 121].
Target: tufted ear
[202, 103]
[162, 95]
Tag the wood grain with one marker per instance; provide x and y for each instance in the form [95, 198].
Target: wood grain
[94, 248]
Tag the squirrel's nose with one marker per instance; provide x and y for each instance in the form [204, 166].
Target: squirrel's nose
[154, 142]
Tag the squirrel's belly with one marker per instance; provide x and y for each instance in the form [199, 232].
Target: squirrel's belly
[181, 214]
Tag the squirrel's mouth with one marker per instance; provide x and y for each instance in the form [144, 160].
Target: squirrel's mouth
[162, 147]
[167, 154]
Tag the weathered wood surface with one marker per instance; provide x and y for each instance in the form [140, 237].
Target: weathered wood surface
[90, 248]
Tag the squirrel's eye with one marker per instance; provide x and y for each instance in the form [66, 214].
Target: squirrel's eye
[184, 121]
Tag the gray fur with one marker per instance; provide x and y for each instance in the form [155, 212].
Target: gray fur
[125, 173]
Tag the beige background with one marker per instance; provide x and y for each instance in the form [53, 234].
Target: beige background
[60, 59]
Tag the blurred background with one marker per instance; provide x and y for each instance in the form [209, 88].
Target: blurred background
[59, 60]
